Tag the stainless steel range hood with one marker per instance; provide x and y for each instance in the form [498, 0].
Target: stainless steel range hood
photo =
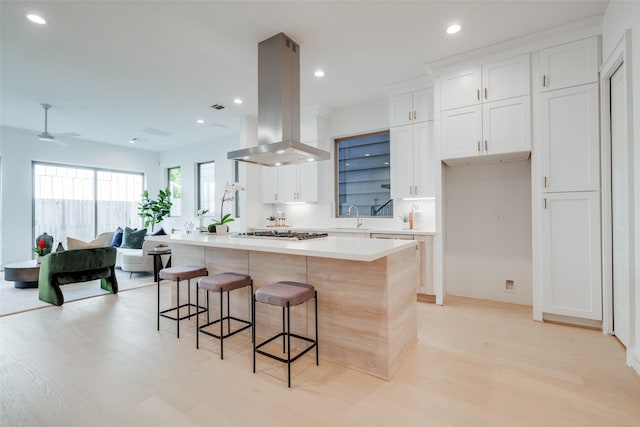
[278, 108]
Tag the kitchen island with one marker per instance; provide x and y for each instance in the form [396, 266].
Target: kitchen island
[366, 290]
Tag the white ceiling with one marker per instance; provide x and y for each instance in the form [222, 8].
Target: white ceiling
[113, 68]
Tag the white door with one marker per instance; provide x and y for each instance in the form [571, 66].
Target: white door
[506, 79]
[401, 109]
[620, 206]
[423, 105]
[460, 89]
[569, 64]
[424, 160]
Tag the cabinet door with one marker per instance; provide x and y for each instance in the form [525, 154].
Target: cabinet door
[506, 79]
[461, 132]
[571, 255]
[289, 187]
[424, 160]
[506, 126]
[270, 184]
[401, 161]
[401, 109]
[569, 64]
[460, 89]
[307, 182]
[423, 105]
[569, 139]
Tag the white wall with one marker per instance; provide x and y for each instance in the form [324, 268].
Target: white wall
[618, 17]
[18, 150]
[488, 231]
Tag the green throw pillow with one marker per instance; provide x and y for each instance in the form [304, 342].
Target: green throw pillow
[132, 239]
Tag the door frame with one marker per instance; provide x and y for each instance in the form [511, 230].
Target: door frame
[618, 57]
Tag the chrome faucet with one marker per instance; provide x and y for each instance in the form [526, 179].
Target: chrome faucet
[358, 219]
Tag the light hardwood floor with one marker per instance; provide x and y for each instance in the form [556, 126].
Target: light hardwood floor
[100, 361]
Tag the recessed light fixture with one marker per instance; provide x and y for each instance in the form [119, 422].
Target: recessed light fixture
[310, 160]
[200, 121]
[237, 101]
[280, 152]
[278, 164]
[36, 19]
[454, 28]
[319, 73]
[133, 140]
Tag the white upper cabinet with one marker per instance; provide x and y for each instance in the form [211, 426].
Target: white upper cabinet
[506, 79]
[569, 64]
[271, 185]
[569, 139]
[495, 81]
[461, 89]
[486, 112]
[413, 161]
[412, 107]
[299, 183]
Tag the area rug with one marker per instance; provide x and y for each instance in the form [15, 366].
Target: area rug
[14, 300]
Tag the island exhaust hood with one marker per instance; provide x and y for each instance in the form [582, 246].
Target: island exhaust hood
[278, 108]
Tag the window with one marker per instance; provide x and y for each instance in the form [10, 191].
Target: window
[363, 175]
[174, 177]
[83, 202]
[207, 186]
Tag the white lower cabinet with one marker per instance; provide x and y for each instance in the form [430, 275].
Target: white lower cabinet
[571, 256]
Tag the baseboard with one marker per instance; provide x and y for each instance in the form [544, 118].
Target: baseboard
[427, 298]
[633, 359]
[572, 321]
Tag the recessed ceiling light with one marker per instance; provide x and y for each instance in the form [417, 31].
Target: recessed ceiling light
[452, 29]
[200, 121]
[310, 160]
[133, 140]
[319, 73]
[278, 164]
[36, 19]
[279, 151]
[237, 101]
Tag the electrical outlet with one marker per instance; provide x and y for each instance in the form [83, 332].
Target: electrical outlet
[509, 286]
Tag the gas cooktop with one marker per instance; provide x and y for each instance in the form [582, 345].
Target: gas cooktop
[280, 235]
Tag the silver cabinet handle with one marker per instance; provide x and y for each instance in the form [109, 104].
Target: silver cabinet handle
[545, 203]
[486, 96]
[478, 146]
[409, 115]
[545, 182]
[544, 80]
[486, 147]
[478, 94]
[414, 115]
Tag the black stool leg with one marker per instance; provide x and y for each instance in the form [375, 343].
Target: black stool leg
[288, 347]
[189, 298]
[316, 304]
[197, 318]
[253, 329]
[253, 319]
[221, 328]
[283, 337]
[158, 303]
[178, 305]
[228, 315]
[207, 306]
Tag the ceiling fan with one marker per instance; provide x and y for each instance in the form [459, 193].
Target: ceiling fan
[46, 136]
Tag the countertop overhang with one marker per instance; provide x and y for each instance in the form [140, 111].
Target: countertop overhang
[347, 248]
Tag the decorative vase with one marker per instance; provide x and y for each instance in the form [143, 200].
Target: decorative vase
[201, 222]
[222, 229]
[39, 259]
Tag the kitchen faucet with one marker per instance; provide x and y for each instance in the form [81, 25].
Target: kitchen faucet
[358, 219]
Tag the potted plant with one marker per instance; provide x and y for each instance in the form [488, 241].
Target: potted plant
[219, 226]
[154, 211]
[271, 220]
[405, 220]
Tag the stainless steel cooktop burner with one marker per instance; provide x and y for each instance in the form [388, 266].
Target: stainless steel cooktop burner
[280, 235]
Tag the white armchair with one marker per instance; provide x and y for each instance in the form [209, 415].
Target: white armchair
[137, 260]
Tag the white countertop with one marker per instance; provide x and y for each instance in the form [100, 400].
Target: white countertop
[365, 230]
[348, 248]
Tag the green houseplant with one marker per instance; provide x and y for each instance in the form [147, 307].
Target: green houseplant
[154, 211]
[229, 193]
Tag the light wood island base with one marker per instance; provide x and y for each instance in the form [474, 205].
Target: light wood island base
[366, 310]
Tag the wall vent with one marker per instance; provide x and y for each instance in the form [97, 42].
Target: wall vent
[217, 106]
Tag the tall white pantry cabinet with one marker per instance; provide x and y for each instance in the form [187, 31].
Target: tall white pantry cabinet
[569, 158]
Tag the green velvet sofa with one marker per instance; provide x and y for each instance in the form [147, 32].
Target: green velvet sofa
[72, 266]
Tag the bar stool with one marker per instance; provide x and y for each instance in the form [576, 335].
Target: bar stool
[221, 283]
[184, 272]
[285, 295]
